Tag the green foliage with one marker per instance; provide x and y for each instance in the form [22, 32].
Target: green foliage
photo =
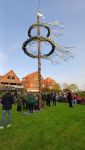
[2, 94]
[57, 87]
[73, 87]
[53, 128]
[46, 90]
[66, 90]
[82, 94]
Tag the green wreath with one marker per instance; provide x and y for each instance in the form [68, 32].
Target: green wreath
[36, 25]
[36, 39]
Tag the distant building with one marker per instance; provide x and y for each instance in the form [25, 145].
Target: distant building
[30, 82]
[49, 83]
[10, 80]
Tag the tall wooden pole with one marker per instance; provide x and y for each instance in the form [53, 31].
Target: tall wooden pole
[39, 60]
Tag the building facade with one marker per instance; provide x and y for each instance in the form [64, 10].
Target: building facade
[50, 83]
[10, 80]
[30, 82]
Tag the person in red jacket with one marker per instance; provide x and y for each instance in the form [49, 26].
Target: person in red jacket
[7, 101]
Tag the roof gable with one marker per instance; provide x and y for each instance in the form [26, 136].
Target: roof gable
[49, 81]
[10, 77]
[32, 76]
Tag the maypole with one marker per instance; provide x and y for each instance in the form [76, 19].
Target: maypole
[39, 60]
[56, 50]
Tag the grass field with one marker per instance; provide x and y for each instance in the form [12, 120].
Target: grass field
[53, 128]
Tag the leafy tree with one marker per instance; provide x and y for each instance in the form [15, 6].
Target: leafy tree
[57, 87]
[65, 85]
[82, 94]
[73, 87]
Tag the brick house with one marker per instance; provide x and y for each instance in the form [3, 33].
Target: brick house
[49, 83]
[10, 80]
[30, 82]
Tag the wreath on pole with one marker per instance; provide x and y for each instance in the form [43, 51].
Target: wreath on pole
[35, 39]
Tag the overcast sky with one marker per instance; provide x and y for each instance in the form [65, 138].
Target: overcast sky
[16, 16]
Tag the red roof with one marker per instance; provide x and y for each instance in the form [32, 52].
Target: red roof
[31, 76]
[49, 81]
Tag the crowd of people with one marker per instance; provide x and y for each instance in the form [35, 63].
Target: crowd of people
[30, 101]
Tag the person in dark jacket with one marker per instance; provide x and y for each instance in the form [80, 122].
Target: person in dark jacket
[7, 101]
[69, 98]
[48, 99]
[31, 102]
[19, 102]
[53, 95]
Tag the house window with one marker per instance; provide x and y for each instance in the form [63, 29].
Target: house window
[9, 77]
[13, 77]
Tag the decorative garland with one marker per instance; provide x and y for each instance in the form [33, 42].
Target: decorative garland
[36, 25]
[36, 39]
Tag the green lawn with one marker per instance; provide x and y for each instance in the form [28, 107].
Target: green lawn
[53, 128]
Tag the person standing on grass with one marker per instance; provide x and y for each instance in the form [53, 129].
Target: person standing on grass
[48, 99]
[19, 102]
[69, 98]
[7, 101]
[31, 102]
[54, 98]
